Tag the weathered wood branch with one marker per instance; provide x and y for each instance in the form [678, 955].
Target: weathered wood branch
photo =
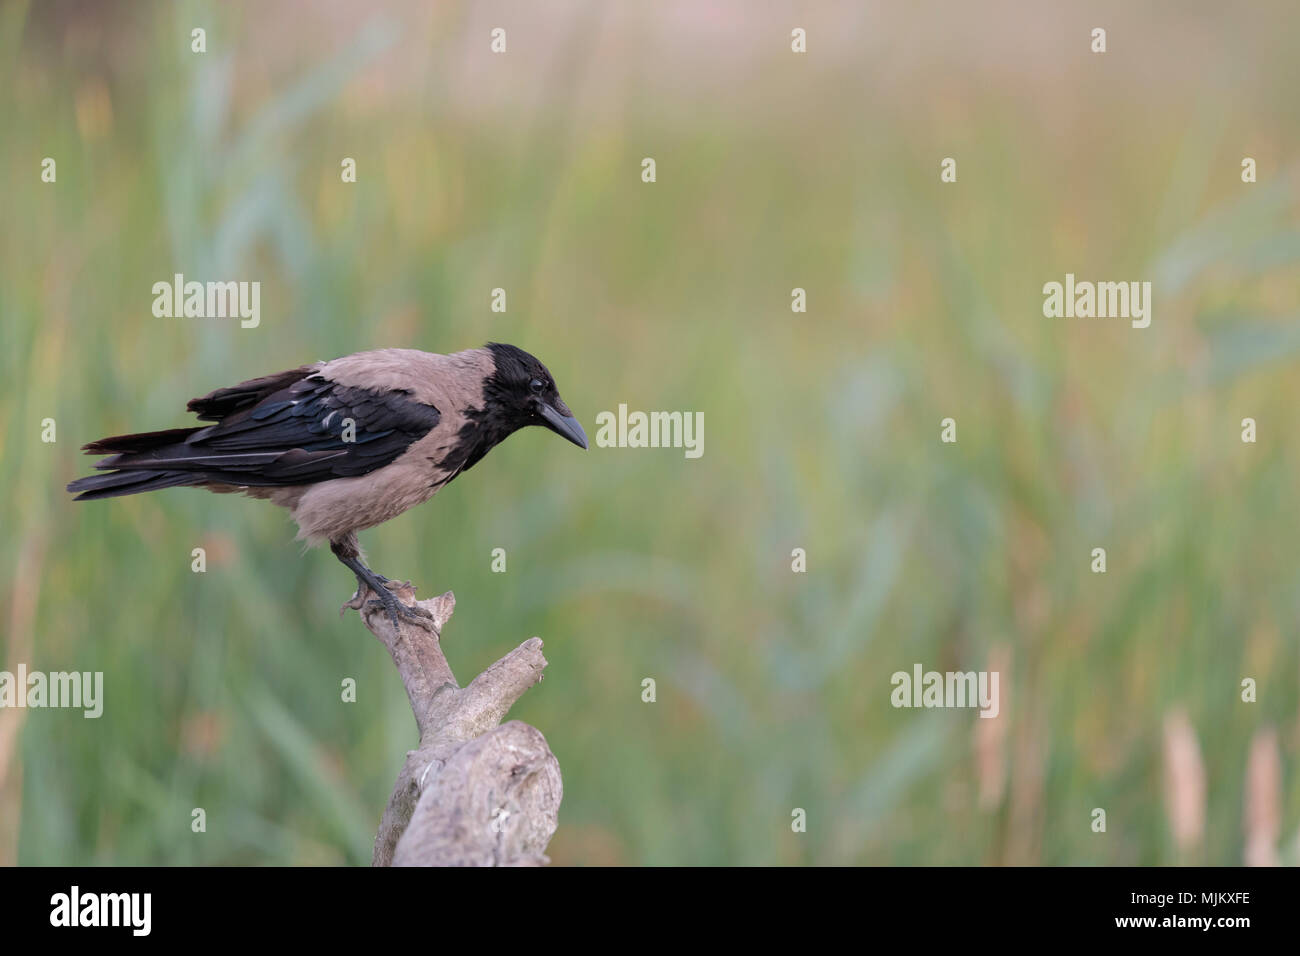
[475, 792]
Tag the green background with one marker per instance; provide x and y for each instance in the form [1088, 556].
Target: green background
[775, 171]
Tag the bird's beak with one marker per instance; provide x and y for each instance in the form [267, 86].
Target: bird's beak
[562, 425]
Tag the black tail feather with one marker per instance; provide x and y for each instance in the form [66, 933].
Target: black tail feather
[138, 479]
[145, 441]
[118, 483]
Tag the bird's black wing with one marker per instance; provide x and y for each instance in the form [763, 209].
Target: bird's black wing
[215, 406]
[312, 430]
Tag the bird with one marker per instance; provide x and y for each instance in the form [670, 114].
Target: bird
[345, 444]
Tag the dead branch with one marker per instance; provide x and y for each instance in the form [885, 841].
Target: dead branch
[475, 792]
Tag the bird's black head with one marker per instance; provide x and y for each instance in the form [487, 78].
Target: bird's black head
[521, 392]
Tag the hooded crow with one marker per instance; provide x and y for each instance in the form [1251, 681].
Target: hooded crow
[346, 444]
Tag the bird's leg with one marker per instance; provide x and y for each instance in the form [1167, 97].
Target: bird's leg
[346, 550]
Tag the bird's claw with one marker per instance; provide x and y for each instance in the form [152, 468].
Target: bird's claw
[390, 603]
[396, 609]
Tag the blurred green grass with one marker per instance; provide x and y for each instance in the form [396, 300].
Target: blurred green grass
[223, 689]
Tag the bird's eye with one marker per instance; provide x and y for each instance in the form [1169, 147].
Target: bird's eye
[536, 385]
